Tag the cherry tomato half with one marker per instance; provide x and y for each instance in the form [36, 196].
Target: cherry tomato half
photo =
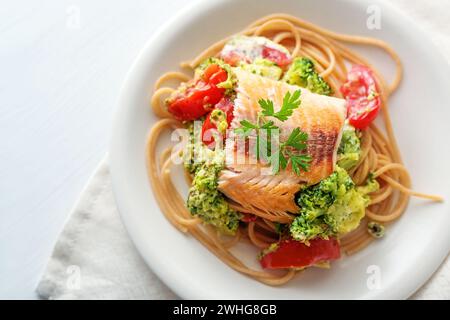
[294, 254]
[226, 105]
[362, 95]
[214, 74]
[199, 96]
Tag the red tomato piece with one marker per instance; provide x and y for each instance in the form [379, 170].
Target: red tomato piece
[208, 129]
[226, 105]
[362, 95]
[196, 101]
[214, 74]
[294, 254]
[200, 96]
[276, 56]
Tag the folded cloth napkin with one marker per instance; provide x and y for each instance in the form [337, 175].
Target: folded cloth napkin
[95, 259]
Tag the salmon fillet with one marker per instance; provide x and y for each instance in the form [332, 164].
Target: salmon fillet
[251, 185]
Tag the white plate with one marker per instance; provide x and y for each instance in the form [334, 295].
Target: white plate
[414, 246]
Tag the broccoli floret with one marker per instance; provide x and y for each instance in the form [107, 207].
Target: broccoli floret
[302, 73]
[347, 211]
[264, 68]
[193, 150]
[332, 207]
[303, 230]
[204, 200]
[349, 151]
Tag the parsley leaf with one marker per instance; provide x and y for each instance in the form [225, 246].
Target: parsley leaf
[290, 103]
[267, 107]
[300, 161]
[282, 154]
[246, 129]
[297, 139]
[248, 124]
[277, 161]
[269, 125]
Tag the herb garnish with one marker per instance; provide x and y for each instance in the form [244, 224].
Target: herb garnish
[283, 153]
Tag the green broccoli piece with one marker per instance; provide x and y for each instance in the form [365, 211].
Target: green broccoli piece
[349, 151]
[303, 230]
[347, 211]
[204, 200]
[302, 73]
[193, 149]
[333, 206]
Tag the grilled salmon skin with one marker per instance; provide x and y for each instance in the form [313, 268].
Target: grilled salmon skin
[249, 185]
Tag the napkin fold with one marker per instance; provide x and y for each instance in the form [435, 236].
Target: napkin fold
[94, 257]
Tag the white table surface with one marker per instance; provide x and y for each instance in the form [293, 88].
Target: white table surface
[62, 63]
[61, 67]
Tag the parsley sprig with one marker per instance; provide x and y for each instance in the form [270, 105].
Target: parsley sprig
[287, 151]
[297, 140]
[290, 103]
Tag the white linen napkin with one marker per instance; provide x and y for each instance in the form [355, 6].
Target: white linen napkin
[95, 259]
